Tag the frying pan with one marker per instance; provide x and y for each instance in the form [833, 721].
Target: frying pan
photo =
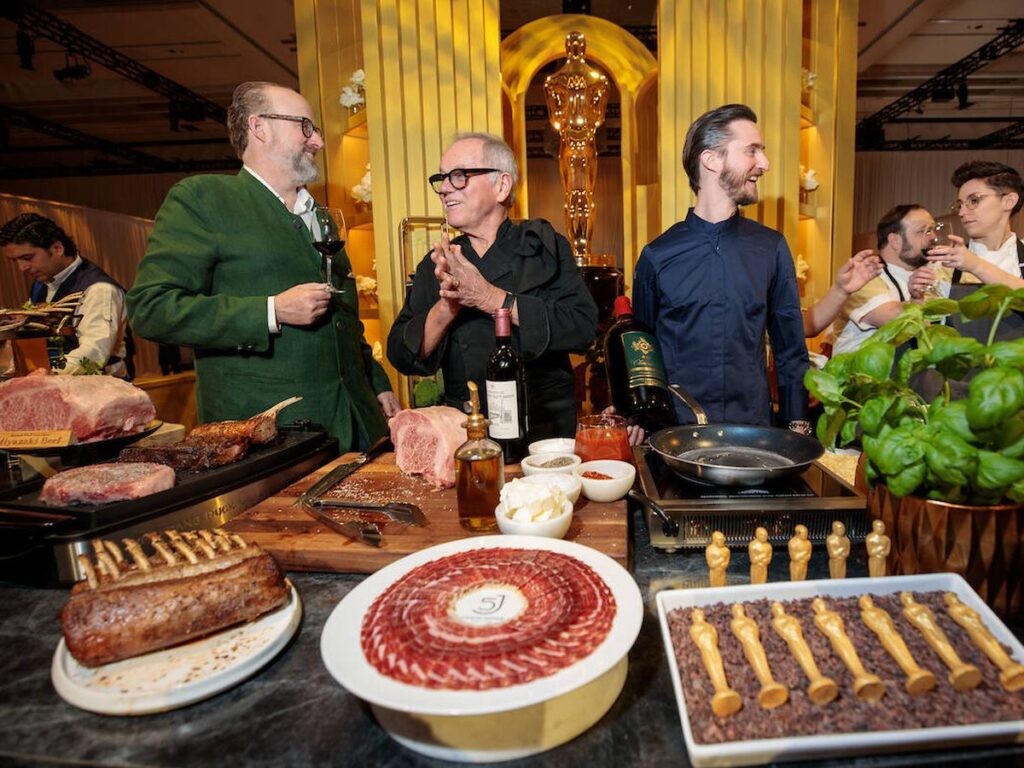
[732, 454]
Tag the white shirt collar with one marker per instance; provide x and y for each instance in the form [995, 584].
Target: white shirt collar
[61, 276]
[304, 202]
[1009, 247]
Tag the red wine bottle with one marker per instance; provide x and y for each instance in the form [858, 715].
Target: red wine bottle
[506, 392]
[636, 373]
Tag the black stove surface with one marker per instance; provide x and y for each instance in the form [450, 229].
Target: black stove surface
[20, 501]
[672, 486]
[814, 498]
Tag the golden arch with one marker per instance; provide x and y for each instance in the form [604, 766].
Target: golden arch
[628, 63]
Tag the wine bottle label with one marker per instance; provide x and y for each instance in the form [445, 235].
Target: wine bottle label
[503, 410]
[643, 360]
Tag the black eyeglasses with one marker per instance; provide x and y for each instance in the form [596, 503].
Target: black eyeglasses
[308, 126]
[458, 177]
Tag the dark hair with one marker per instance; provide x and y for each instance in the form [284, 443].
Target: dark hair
[37, 231]
[711, 131]
[248, 99]
[996, 175]
[892, 222]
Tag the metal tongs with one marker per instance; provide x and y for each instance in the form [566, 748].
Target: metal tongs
[368, 533]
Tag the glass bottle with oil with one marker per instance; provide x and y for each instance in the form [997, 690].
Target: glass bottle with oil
[479, 472]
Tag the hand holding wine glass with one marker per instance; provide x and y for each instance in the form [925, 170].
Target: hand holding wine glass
[332, 236]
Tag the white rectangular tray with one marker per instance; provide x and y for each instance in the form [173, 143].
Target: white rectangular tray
[759, 751]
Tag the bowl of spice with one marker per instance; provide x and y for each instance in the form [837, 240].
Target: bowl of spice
[549, 463]
[606, 479]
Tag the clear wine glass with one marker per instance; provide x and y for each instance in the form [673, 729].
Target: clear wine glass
[333, 235]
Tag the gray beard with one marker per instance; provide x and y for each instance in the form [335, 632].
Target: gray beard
[305, 169]
[732, 184]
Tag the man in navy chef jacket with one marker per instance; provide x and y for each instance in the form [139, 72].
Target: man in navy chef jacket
[712, 284]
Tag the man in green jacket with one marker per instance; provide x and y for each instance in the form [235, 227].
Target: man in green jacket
[230, 270]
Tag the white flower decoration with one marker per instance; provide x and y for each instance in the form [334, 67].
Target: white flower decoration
[358, 78]
[363, 191]
[350, 97]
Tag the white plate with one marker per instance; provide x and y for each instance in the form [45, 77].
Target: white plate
[163, 680]
[343, 656]
[758, 751]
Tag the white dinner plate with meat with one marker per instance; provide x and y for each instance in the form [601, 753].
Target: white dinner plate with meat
[483, 625]
[176, 677]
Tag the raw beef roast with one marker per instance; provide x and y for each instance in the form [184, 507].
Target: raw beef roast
[92, 407]
[103, 483]
[425, 441]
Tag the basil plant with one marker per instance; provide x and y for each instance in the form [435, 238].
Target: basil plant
[967, 449]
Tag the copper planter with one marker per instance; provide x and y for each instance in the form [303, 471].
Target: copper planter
[985, 545]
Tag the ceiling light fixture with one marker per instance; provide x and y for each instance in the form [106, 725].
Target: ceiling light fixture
[75, 68]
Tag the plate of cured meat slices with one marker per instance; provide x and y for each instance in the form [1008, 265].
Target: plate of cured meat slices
[489, 648]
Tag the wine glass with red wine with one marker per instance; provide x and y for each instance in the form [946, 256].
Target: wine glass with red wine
[333, 234]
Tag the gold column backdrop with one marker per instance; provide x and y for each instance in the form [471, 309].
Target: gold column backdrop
[714, 52]
[431, 71]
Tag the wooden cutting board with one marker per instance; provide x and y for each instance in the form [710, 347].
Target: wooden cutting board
[300, 543]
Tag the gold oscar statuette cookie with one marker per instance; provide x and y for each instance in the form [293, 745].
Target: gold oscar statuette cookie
[717, 556]
[822, 689]
[880, 622]
[799, 554]
[865, 685]
[1011, 674]
[760, 551]
[726, 701]
[772, 693]
[838, 545]
[962, 676]
[878, 546]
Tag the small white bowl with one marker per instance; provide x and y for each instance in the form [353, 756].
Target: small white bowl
[622, 475]
[555, 528]
[569, 484]
[534, 464]
[553, 445]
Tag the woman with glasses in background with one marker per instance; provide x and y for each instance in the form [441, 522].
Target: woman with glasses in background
[989, 195]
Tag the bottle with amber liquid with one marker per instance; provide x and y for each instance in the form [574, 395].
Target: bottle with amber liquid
[479, 472]
[506, 391]
[636, 372]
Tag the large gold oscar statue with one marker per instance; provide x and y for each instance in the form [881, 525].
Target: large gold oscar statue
[576, 97]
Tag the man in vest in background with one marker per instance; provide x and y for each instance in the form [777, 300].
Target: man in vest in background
[50, 257]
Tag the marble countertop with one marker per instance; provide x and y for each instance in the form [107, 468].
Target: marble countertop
[293, 713]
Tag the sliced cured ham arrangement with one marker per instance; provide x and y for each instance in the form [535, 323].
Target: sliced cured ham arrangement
[413, 632]
[92, 407]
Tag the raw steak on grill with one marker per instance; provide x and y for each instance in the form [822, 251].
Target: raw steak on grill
[103, 483]
[425, 441]
[92, 407]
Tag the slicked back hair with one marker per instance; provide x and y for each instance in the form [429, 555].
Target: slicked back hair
[711, 131]
[37, 231]
[998, 176]
[249, 98]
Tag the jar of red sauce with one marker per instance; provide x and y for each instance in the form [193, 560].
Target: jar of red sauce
[602, 437]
